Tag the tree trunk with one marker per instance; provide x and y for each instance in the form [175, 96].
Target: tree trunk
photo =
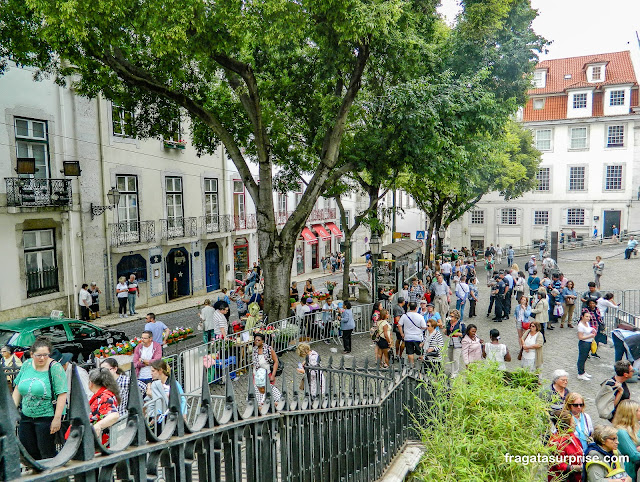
[346, 264]
[276, 265]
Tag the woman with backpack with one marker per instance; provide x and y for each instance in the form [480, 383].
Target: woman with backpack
[311, 362]
[382, 338]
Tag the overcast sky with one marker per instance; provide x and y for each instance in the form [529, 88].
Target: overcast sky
[580, 27]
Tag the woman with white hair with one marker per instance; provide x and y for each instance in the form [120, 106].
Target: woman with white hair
[558, 390]
[122, 293]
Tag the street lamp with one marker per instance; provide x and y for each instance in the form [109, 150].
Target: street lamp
[113, 196]
[375, 245]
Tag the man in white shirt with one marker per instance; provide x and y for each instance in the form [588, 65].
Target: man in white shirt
[411, 327]
[84, 300]
[445, 269]
[462, 294]
[352, 287]
[498, 254]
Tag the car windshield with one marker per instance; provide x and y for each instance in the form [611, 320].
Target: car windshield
[7, 336]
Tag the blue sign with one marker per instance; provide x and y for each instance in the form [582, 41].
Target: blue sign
[419, 234]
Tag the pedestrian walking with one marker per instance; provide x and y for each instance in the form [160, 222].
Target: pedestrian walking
[159, 330]
[586, 335]
[531, 345]
[498, 254]
[615, 232]
[95, 299]
[542, 247]
[455, 331]
[122, 293]
[598, 268]
[462, 295]
[510, 255]
[132, 295]
[569, 296]
[489, 267]
[595, 232]
[631, 247]
[347, 325]
[84, 300]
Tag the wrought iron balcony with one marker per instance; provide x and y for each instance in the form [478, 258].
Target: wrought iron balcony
[316, 215]
[215, 223]
[132, 232]
[282, 217]
[30, 192]
[42, 282]
[173, 228]
[247, 222]
[329, 213]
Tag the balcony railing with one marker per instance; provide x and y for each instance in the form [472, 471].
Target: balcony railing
[42, 282]
[316, 215]
[329, 213]
[281, 217]
[173, 228]
[132, 232]
[247, 222]
[30, 192]
[215, 223]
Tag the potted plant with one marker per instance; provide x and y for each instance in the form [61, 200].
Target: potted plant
[331, 286]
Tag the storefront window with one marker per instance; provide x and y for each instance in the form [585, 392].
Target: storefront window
[300, 257]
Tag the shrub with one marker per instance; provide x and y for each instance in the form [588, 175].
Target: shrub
[477, 418]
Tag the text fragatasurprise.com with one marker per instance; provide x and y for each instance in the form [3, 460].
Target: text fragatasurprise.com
[555, 459]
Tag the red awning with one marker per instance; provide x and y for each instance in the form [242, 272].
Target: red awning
[319, 228]
[334, 229]
[308, 236]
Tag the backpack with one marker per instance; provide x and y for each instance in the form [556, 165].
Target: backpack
[526, 266]
[605, 400]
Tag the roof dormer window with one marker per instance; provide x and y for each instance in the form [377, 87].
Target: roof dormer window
[595, 73]
[539, 79]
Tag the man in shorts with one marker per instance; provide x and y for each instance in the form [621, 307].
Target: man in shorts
[411, 327]
[398, 311]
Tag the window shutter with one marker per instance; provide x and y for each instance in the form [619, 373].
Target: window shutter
[588, 219]
[564, 217]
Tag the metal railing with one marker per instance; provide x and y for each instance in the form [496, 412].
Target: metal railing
[612, 318]
[215, 223]
[233, 355]
[349, 429]
[132, 232]
[173, 228]
[42, 282]
[282, 217]
[246, 222]
[31, 192]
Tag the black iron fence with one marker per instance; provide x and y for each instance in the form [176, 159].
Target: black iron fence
[173, 228]
[350, 428]
[30, 192]
[132, 232]
[215, 223]
[42, 282]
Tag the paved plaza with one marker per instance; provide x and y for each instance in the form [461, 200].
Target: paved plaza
[560, 351]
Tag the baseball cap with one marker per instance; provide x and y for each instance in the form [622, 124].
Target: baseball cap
[309, 300]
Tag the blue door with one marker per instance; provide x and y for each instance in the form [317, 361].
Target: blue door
[212, 259]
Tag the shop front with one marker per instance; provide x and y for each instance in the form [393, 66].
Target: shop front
[240, 257]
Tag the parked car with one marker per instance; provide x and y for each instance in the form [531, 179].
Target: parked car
[67, 335]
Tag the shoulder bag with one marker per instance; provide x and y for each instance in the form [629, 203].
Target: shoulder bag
[605, 400]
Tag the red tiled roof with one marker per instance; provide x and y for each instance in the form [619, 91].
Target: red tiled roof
[619, 70]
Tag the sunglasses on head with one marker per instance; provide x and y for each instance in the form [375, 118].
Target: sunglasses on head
[576, 404]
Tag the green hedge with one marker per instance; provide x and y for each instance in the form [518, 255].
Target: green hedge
[477, 418]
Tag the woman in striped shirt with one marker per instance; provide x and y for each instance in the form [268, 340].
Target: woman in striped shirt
[434, 344]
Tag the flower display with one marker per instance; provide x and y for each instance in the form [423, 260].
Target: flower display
[331, 285]
[126, 348]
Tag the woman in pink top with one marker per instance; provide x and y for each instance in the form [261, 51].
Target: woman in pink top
[472, 346]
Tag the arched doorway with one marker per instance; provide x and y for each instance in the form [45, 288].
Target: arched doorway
[178, 273]
[212, 263]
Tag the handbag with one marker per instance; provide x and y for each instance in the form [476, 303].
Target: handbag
[520, 354]
[594, 346]
[526, 325]
[605, 400]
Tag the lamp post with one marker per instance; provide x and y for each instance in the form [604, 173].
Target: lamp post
[113, 196]
[441, 234]
[375, 244]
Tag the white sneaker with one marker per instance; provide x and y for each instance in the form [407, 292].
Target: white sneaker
[582, 377]
[587, 375]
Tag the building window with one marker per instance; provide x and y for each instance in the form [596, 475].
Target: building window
[576, 178]
[40, 262]
[543, 139]
[297, 196]
[128, 203]
[122, 121]
[578, 138]
[347, 215]
[32, 140]
[615, 136]
[509, 216]
[477, 216]
[596, 73]
[575, 217]
[211, 198]
[579, 101]
[544, 179]
[132, 264]
[613, 179]
[616, 97]
[282, 203]
[541, 218]
[538, 104]
[175, 211]
[238, 200]
[539, 78]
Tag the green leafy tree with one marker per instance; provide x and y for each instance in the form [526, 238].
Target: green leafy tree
[274, 81]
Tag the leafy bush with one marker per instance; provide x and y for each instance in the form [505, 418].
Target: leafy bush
[477, 418]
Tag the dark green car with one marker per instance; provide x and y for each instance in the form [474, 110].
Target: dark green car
[69, 336]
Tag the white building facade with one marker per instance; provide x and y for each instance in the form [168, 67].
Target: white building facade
[584, 116]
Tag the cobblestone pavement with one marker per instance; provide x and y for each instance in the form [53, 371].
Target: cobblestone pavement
[560, 351]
